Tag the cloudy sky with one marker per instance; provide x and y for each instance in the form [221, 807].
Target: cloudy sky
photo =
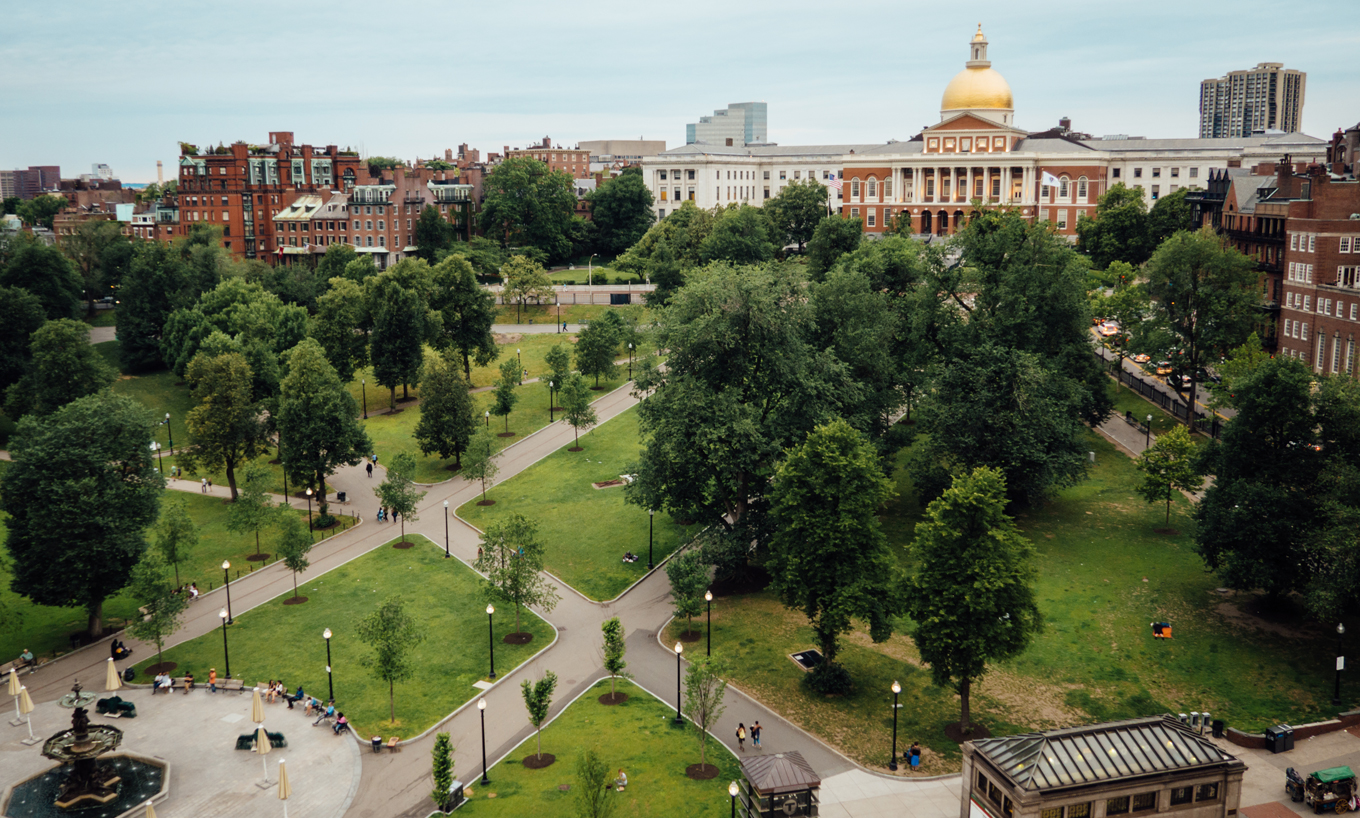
[124, 82]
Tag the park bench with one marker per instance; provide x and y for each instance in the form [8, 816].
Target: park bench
[237, 685]
[392, 743]
[177, 683]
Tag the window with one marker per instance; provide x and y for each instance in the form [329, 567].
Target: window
[798, 174]
[1345, 244]
[1144, 801]
[1336, 353]
[356, 224]
[1307, 303]
[1312, 243]
[1138, 173]
[993, 792]
[1053, 812]
[1117, 806]
[691, 193]
[677, 193]
[660, 214]
[382, 241]
[1194, 173]
[689, 174]
[854, 212]
[1081, 189]
[368, 224]
[381, 225]
[1180, 795]
[1116, 173]
[871, 214]
[370, 241]
[663, 175]
[1354, 307]
[1062, 219]
[1156, 191]
[1321, 350]
[1156, 173]
[368, 211]
[981, 783]
[1175, 173]
[1063, 189]
[873, 188]
[1293, 241]
[854, 188]
[783, 174]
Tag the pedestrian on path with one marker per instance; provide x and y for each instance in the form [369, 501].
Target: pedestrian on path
[741, 736]
[369, 468]
[208, 480]
[755, 734]
[914, 755]
[205, 485]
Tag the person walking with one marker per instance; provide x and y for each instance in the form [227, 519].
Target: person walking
[755, 734]
[369, 468]
[741, 736]
[205, 485]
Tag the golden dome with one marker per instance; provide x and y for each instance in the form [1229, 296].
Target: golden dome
[977, 88]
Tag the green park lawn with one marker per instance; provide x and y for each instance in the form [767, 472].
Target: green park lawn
[547, 313]
[281, 641]
[598, 274]
[102, 318]
[161, 392]
[47, 630]
[1105, 573]
[585, 530]
[636, 736]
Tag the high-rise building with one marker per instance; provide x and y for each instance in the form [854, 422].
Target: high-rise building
[1267, 97]
[741, 123]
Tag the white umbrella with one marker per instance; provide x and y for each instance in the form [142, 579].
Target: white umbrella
[111, 680]
[150, 810]
[26, 707]
[262, 747]
[257, 708]
[14, 691]
[285, 789]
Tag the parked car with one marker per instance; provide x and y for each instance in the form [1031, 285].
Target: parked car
[1140, 358]
[1109, 328]
[1164, 368]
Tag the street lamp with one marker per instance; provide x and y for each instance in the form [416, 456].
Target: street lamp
[550, 401]
[170, 433]
[481, 706]
[732, 790]
[488, 420]
[651, 519]
[630, 360]
[363, 386]
[1340, 663]
[896, 689]
[446, 529]
[679, 649]
[519, 361]
[1147, 438]
[708, 598]
[156, 448]
[330, 682]
[226, 656]
[491, 637]
[226, 582]
[309, 512]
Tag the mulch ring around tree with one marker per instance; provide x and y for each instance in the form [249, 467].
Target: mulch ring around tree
[517, 638]
[691, 636]
[506, 434]
[575, 449]
[537, 762]
[332, 524]
[607, 484]
[295, 600]
[403, 544]
[159, 668]
[610, 699]
[1167, 532]
[953, 733]
[257, 558]
[701, 772]
[452, 467]
[486, 502]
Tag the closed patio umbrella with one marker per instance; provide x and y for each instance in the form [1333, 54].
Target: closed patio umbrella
[111, 680]
[14, 691]
[150, 810]
[262, 747]
[26, 707]
[257, 708]
[285, 789]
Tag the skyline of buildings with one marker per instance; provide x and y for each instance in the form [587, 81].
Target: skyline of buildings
[1240, 103]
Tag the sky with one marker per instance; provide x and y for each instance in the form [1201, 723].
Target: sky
[124, 82]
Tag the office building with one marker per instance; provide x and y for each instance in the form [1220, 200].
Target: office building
[1268, 97]
[737, 125]
[575, 161]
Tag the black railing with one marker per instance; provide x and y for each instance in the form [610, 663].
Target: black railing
[1151, 391]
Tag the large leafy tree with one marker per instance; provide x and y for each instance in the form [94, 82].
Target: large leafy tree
[1119, 231]
[1203, 294]
[527, 204]
[688, 576]
[596, 348]
[90, 249]
[257, 320]
[80, 494]
[41, 210]
[153, 287]
[318, 421]
[620, 211]
[44, 271]
[341, 326]
[64, 367]
[1170, 215]
[796, 212]
[512, 561]
[433, 234]
[446, 421]
[226, 428]
[21, 314]
[741, 235]
[576, 408]
[828, 556]
[1168, 466]
[393, 635]
[398, 342]
[833, 237]
[525, 279]
[972, 596]
[467, 312]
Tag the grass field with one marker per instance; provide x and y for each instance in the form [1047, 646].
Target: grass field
[636, 736]
[547, 313]
[1105, 573]
[586, 530]
[102, 318]
[278, 641]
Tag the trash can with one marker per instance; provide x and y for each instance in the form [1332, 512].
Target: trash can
[339, 497]
[1280, 738]
[1220, 728]
[129, 674]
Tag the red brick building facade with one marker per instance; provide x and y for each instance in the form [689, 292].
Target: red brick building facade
[574, 161]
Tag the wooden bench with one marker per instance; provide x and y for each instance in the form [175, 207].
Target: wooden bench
[392, 744]
[237, 685]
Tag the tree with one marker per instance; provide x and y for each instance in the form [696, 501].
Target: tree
[176, 534]
[162, 603]
[446, 421]
[467, 312]
[559, 365]
[398, 492]
[153, 287]
[392, 634]
[44, 271]
[797, 212]
[596, 348]
[834, 236]
[828, 557]
[504, 395]
[64, 367]
[1239, 365]
[1127, 306]
[226, 428]
[88, 248]
[620, 211]
[337, 257]
[579, 413]
[21, 314]
[1204, 293]
[741, 235]
[592, 786]
[377, 164]
[481, 460]
[1119, 231]
[80, 494]
[294, 543]
[442, 764]
[527, 204]
[1169, 215]
[318, 422]
[340, 326]
[1168, 466]
[537, 700]
[433, 234]
[512, 559]
[689, 580]
[41, 211]
[10, 204]
[614, 649]
[525, 279]
[253, 508]
[398, 344]
[972, 596]
[704, 689]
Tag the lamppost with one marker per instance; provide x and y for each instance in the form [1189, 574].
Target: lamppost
[330, 682]
[679, 649]
[491, 637]
[481, 706]
[708, 598]
[732, 790]
[226, 655]
[630, 360]
[590, 272]
[309, 512]
[1340, 663]
[169, 433]
[363, 386]
[1147, 438]
[446, 529]
[651, 519]
[550, 401]
[226, 582]
[488, 420]
[896, 689]
[519, 361]
[160, 464]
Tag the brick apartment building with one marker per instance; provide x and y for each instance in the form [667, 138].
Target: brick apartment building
[30, 183]
[575, 161]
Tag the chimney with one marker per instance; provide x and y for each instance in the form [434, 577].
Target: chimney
[160, 172]
[1065, 123]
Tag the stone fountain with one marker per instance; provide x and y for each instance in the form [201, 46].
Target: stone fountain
[89, 782]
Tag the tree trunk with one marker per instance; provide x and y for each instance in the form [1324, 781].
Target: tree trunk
[392, 400]
[257, 542]
[539, 731]
[507, 422]
[517, 630]
[1168, 505]
[177, 574]
[295, 585]
[611, 684]
[403, 528]
[231, 479]
[965, 726]
[391, 702]
[321, 503]
[483, 491]
[405, 395]
[467, 366]
[458, 459]
[96, 619]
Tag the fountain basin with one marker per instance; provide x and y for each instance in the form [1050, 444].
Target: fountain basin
[140, 779]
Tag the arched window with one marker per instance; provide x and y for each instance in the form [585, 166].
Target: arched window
[873, 188]
[1064, 190]
[1081, 189]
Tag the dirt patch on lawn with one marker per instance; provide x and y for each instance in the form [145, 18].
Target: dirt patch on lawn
[701, 772]
[508, 337]
[537, 762]
[517, 638]
[607, 484]
[1236, 616]
[611, 699]
[295, 600]
[1024, 700]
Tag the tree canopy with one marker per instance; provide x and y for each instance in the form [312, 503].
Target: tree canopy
[446, 421]
[797, 212]
[226, 427]
[527, 204]
[512, 560]
[1119, 231]
[620, 212]
[63, 367]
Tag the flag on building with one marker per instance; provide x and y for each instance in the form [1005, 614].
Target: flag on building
[834, 182]
[1050, 180]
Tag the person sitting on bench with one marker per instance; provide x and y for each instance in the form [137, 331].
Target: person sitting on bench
[25, 660]
[295, 698]
[163, 682]
[188, 682]
[119, 650]
[328, 713]
[341, 724]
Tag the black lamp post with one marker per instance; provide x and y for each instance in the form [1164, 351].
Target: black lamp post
[550, 401]
[708, 598]
[226, 655]
[170, 433]
[630, 360]
[330, 681]
[363, 386]
[446, 529]
[160, 464]
[1340, 663]
[481, 706]
[309, 512]
[488, 420]
[519, 358]
[896, 689]
[226, 582]
[1147, 438]
[651, 520]
[491, 637]
[732, 790]
[679, 649]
